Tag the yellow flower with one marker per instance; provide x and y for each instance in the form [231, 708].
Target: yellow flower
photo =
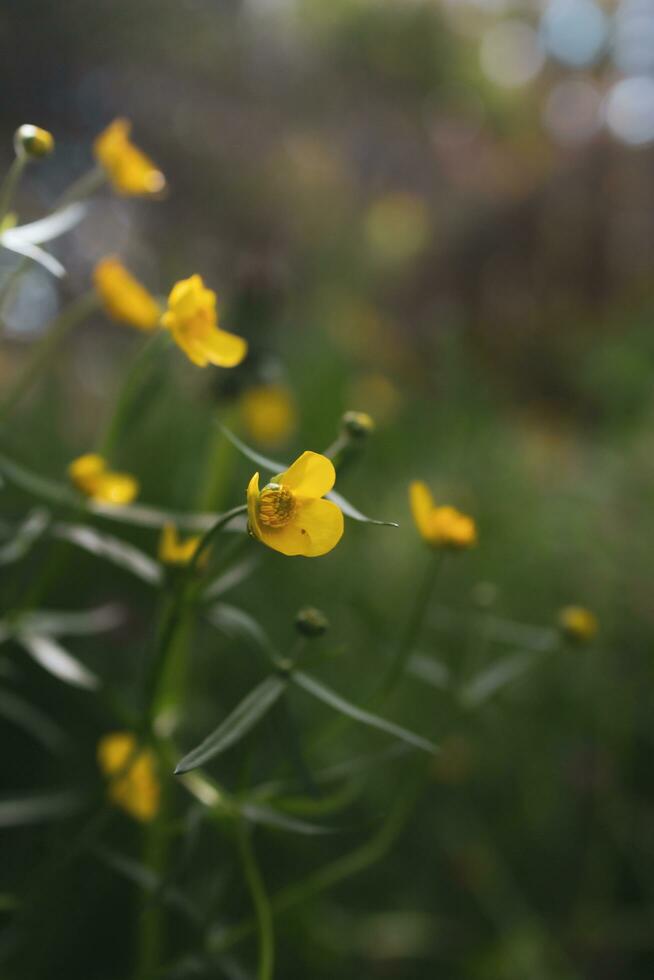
[578, 624]
[174, 551]
[124, 298]
[268, 413]
[193, 321]
[32, 141]
[130, 171]
[133, 783]
[89, 474]
[441, 527]
[289, 514]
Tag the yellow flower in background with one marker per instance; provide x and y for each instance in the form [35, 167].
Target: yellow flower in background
[174, 551]
[133, 783]
[193, 321]
[578, 623]
[441, 527]
[289, 514]
[32, 141]
[89, 474]
[123, 297]
[268, 413]
[397, 227]
[129, 170]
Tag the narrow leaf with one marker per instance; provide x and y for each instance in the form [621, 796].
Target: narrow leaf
[45, 229]
[334, 700]
[23, 714]
[273, 467]
[26, 534]
[57, 661]
[232, 577]
[269, 817]
[86, 623]
[36, 254]
[113, 549]
[20, 810]
[428, 669]
[495, 678]
[257, 703]
[239, 625]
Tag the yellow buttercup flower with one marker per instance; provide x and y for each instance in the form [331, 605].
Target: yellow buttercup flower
[89, 474]
[193, 321]
[123, 297]
[174, 551]
[289, 514]
[441, 527]
[133, 783]
[268, 413]
[129, 170]
[578, 624]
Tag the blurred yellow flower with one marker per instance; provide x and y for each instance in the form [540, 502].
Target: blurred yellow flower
[441, 527]
[32, 141]
[289, 514]
[268, 413]
[129, 170]
[124, 298]
[578, 623]
[397, 227]
[133, 783]
[174, 551]
[193, 321]
[89, 474]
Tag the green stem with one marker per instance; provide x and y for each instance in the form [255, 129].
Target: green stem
[123, 402]
[83, 187]
[10, 184]
[44, 349]
[411, 632]
[260, 902]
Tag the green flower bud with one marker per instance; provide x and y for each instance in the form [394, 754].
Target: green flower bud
[311, 622]
[33, 142]
[357, 424]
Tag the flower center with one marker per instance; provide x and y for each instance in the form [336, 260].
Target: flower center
[276, 505]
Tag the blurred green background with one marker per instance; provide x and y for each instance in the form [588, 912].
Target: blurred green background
[440, 213]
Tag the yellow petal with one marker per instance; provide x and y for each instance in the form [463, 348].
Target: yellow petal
[124, 298]
[222, 348]
[268, 413]
[422, 506]
[85, 470]
[311, 475]
[314, 530]
[252, 500]
[130, 171]
[188, 296]
[115, 488]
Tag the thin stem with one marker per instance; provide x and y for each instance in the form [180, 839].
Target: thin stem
[260, 902]
[413, 627]
[44, 349]
[10, 184]
[81, 188]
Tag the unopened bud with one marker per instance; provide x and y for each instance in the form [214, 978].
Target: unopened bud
[32, 141]
[311, 622]
[358, 424]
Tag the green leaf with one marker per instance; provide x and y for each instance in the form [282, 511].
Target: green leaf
[17, 811]
[113, 549]
[237, 624]
[88, 622]
[57, 661]
[492, 680]
[32, 720]
[269, 817]
[334, 700]
[26, 534]
[273, 467]
[232, 577]
[45, 229]
[431, 671]
[257, 703]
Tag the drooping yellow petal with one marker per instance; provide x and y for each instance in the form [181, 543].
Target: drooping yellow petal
[311, 475]
[175, 551]
[192, 320]
[85, 470]
[130, 171]
[117, 489]
[124, 298]
[422, 506]
[133, 782]
[222, 348]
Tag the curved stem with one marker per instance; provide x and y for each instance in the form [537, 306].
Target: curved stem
[261, 904]
[10, 184]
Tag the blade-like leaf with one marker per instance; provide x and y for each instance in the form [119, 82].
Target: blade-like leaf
[26, 534]
[240, 625]
[23, 714]
[269, 817]
[113, 549]
[20, 810]
[492, 680]
[45, 229]
[334, 700]
[34, 253]
[257, 703]
[274, 467]
[232, 577]
[39, 486]
[428, 669]
[86, 623]
[57, 661]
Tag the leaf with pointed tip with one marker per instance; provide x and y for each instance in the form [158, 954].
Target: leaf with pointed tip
[113, 549]
[244, 717]
[26, 534]
[334, 700]
[17, 811]
[45, 229]
[238, 624]
[492, 680]
[53, 622]
[57, 661]
[273, 467]
[36, 254]
[229, 579]
[270, 817]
